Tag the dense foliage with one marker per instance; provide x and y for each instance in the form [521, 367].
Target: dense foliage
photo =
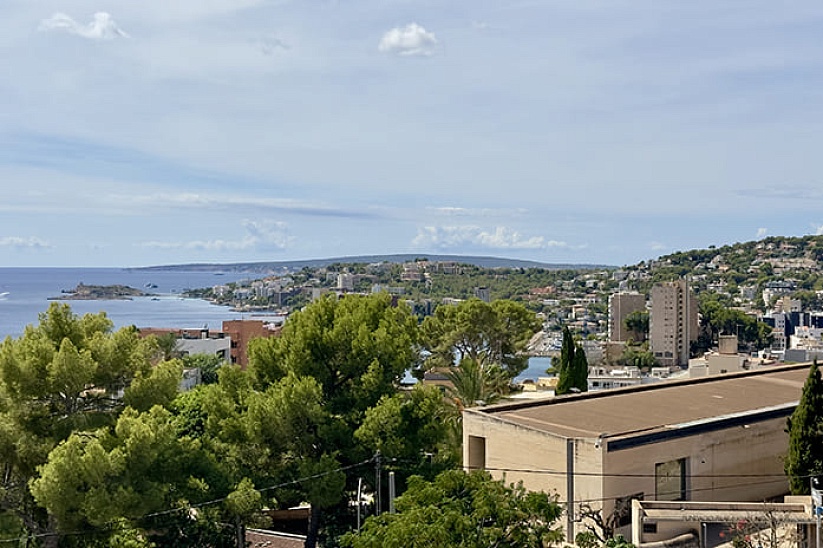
[463, 510]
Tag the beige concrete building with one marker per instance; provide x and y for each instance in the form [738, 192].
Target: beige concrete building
[710, 439]
[673, 323]
[621, 305]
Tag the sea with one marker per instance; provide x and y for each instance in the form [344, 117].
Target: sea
[27, 292]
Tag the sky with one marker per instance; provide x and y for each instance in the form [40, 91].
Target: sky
[596, 131]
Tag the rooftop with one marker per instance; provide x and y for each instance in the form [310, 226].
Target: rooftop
[662, 409]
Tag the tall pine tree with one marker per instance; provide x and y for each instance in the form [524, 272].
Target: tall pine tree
[805, 428]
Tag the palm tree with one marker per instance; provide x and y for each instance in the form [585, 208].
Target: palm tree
[474, 384]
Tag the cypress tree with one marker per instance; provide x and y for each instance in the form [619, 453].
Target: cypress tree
[580, 368]
[805, 429]
[563, 368]
[572, 367]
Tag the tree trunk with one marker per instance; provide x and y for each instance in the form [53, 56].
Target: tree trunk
[314, 527]
[240, 532]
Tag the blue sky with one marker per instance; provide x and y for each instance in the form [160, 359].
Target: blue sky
[145, 133]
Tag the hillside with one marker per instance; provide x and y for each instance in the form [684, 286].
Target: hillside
[729, 268]
[279, 266]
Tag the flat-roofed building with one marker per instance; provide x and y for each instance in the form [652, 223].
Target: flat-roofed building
[243, 331]
[718, 438]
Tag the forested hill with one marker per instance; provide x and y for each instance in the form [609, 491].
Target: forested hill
[749, 263]
[272, 266]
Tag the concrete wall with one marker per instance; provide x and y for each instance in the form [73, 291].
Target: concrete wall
[515, 453]
[716, 463]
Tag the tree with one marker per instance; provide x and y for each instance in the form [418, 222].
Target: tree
[208, 365]
[637, 323]
[142, 466]
[61, 376]
[355, 350]
[494, 333]
[571, 366]
[416, 428]
[637, 356]
[473, 384]
[805, 429]
[463, 510]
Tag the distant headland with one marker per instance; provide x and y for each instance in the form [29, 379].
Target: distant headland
[270, 266]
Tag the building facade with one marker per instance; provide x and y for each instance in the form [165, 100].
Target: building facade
[673, 324]
[620, 306]
[243, 331]
[710, 439]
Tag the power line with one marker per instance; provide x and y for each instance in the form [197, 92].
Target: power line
[563, 473]
[775, 479]
[189, 507]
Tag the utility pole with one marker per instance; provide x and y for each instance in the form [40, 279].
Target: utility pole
[359, 501]
[377, 474]
[816, 484]
[391, 492]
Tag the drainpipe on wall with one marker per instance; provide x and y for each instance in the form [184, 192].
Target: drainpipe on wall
[570, 490]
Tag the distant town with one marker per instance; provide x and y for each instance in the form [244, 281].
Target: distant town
[768, 295]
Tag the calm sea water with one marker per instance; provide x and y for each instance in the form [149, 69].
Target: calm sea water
[25, 292]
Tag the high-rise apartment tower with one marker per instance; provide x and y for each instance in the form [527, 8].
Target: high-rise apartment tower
[673, 323]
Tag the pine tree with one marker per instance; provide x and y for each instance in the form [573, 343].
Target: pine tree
[805, 429]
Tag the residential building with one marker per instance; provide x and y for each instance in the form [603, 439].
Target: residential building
[345, 281]
[482, 293]
[673, 324]
[243, 331]
[620, 306]
[194, 340]
[716, 438]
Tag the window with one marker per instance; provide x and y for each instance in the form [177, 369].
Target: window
[477, 453]
[670, 480]
[649, 527]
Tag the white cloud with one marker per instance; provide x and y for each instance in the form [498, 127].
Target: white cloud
[260, 235]
[480, 212]
[103, 27]
[195, 200]
[268, 234]
[761, 232]
[819, 231]
[23, 243]
[657, 246]
[499, 238]
[409, 40]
